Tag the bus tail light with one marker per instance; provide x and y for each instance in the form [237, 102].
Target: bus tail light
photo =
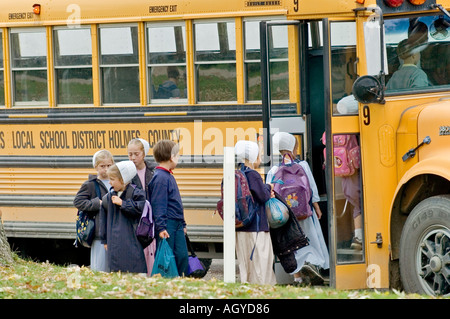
[394, 3]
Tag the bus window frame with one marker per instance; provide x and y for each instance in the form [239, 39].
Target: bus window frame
[416, 90]
[149, 65]
[2, 71]
[27, 104]
[247, 61]
[63, 67]
[198, 63]
[120, 65]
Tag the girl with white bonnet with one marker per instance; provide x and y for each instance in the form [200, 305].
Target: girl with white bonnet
[120, 213]
[88, 199]
[314, 256]
[137, 149]
[254, 237]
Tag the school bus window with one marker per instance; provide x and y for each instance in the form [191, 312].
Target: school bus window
[215, 61]
[73, 66]
[279, 76]
[29, 66]
[2, 79]
[418, 53]
[343, 73]
[166, 58]
[119, 64]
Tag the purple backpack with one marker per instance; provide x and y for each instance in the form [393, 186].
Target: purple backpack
[145, 231]
[292, 184]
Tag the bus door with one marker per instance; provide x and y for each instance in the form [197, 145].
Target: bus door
[342, 139]
[277, 55]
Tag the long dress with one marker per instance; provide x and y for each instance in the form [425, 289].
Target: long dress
[118, 227]
[316, 252]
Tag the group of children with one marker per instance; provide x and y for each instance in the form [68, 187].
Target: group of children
[126, 185]
[310, 259]
[116, 196]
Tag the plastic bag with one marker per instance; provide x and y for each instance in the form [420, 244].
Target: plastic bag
[165, 261]
[277, 213]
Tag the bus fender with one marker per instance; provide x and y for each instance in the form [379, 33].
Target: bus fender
[414, 186]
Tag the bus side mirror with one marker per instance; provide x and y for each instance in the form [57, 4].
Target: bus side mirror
[368, 89]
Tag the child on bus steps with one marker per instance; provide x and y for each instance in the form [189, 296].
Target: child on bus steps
[89, 201]
[137, 149]
[121, 210]
[167, 206]
[310, 259]
[255, 237]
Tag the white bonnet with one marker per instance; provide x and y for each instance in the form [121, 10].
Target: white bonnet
[127, 170]
[347, 105]
[283, 141]
[246, 150]
[145, 144]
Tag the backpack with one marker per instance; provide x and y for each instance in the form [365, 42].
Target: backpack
[145, 231]
[346, 154]
[85, 225]
[245, 207]
[292, 184]
[85, 228]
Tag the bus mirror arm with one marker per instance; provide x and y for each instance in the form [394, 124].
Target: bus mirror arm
[412, 152]
[440, 7]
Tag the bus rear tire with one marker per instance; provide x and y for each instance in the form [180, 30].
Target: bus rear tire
[425, 248]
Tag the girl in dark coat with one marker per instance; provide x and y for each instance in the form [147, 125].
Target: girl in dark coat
[121, 210]
[88, 200]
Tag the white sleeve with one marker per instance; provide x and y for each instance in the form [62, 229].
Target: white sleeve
[312, 182]
[271, 174]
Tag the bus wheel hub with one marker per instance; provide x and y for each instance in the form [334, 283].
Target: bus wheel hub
[435, 264]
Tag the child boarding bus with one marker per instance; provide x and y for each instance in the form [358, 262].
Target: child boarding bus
[76, 78]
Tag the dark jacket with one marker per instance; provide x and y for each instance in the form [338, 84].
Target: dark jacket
[165, 198]
[88, 201]
[149, 171]
[118, 230]
[287, 239]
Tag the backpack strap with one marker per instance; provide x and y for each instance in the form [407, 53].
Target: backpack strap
[290, 157]
[97, 189]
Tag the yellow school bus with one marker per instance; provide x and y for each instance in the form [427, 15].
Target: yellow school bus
[78, 77]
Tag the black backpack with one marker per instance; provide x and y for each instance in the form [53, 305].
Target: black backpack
[85, 225]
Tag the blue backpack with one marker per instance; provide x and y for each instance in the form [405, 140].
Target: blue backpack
[245, 208]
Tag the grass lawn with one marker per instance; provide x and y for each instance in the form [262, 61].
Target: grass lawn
[31, 280]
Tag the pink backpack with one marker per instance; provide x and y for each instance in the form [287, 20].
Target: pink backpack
[346, 154]
[292, 184]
